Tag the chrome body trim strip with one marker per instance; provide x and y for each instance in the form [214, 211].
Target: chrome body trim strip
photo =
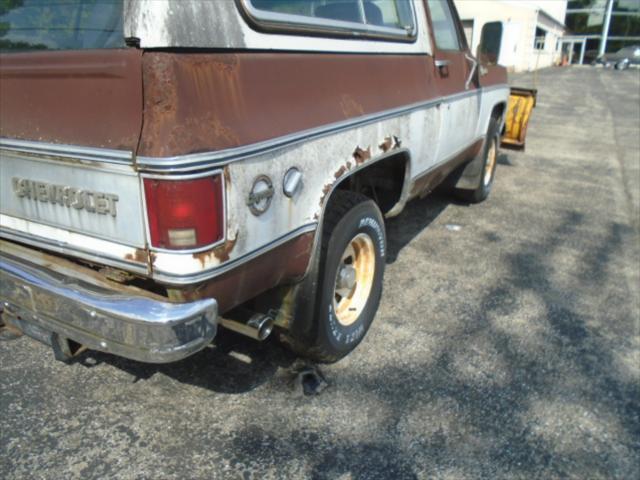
[231, 264]
[94, 154]
[65, 249]
[124, 323]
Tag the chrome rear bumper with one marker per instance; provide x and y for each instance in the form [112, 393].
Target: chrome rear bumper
[125, 322]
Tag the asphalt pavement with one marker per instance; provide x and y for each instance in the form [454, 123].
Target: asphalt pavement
[507, 344]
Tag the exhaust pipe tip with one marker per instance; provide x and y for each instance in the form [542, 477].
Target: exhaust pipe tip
[258, 326]
[262, 325]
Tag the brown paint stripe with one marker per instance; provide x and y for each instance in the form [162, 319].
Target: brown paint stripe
[258, 275]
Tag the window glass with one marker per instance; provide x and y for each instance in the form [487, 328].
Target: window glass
[291, 7]
[586, 17]
[389, 13]
[60, 24]
[344, 10]
[490, 42]
[540, 38]
[444, 28]
[395, 14]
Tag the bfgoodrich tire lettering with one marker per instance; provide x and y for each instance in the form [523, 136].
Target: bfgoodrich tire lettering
[353, 241]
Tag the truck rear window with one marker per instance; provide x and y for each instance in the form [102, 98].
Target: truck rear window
[27, 25]
[390, 18]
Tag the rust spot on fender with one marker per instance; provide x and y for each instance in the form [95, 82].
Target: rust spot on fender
[325, 191]
[341, 171]
[390, 143]
[221, 252]
[227, 177]
[350, 108]
[221, 63]
[386, 145]
[140, 255]
[361, 155]
[176, 89]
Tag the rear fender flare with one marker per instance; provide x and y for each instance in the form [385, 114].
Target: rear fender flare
[305, 295]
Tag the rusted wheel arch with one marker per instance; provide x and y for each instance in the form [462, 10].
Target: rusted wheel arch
[384, 179]
[304, 297]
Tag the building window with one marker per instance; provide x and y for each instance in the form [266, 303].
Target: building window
[541, 36]
[392, 19]
[587, 17]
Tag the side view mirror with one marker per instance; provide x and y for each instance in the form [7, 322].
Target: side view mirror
[490, 43]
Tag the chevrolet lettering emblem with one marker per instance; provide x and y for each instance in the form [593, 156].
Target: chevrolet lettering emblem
[70, 197]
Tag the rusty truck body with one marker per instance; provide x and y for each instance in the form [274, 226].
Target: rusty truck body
[168, 167]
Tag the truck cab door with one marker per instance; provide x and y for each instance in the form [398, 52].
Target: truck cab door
[456, 80]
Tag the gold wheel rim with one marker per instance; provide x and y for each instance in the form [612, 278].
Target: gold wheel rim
[354, 279]
[492, 155]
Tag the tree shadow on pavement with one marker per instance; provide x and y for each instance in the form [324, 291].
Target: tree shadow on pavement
[509, 393]
[415, 218]
[544, 399]
[232, 364]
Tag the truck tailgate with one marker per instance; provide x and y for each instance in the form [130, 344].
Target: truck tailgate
[102, 202]
[87, 98]
[70, 123]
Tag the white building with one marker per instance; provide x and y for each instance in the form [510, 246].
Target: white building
[531, 29]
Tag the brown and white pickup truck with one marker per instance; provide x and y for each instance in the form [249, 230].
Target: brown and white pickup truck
[171, 166]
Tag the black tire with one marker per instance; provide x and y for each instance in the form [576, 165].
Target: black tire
[483, 188]
[622, 65]
[348, 215]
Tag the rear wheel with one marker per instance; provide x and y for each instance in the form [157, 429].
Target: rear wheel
[350, 277]
[489, 163]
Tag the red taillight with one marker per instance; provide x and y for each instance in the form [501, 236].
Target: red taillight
[184, 214]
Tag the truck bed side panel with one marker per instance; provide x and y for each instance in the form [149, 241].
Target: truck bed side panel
[209, 102]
